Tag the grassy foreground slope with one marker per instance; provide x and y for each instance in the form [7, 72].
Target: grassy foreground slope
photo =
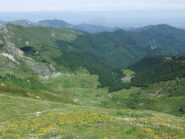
[160, 86]
[33, 118]
[80, 87]
[33, 112]
[77, 109]
[165, 96]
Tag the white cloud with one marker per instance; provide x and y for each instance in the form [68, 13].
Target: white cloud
[89, 5]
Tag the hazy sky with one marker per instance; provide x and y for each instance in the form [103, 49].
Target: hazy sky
[108, 12]
[89, 5]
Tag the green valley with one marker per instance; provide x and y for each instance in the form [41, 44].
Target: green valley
[63, 83]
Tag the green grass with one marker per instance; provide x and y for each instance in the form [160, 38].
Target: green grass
[128, 75]
[16, 91]
[31, 118]
[80, 87]
[166, 96]
[96, 113]
[39, 35]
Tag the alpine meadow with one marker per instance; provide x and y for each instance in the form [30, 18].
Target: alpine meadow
[97, 77]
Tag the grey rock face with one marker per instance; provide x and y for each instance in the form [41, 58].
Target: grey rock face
[12, 57]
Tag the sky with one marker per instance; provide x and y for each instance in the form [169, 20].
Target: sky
[100, 12]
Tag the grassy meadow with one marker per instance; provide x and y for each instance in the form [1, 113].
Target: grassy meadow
[78, 109]
[35, 118]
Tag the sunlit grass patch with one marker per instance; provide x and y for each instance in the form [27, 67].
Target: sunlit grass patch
[128, 75]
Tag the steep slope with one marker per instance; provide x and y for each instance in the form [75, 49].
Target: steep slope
[35, 118]
[167, 40]
[105, 54]
[100, 55]
[154, 69]
[74, 49]
[160, 86]
[13, 60]
[164, 96]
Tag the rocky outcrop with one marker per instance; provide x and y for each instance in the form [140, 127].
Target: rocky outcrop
[13, 57]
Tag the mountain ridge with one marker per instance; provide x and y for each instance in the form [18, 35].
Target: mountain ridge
[56, 23]
[90, 28]
[65, 83]
[113, 50]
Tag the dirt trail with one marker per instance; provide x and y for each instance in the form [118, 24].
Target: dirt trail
[161, 89]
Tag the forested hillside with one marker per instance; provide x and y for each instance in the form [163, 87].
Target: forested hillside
[154, 69]
[64, 83]
[105, 54]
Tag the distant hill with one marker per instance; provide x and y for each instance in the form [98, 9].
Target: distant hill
[94, 28]
[82, 27]
[55, 23]
[25, 23]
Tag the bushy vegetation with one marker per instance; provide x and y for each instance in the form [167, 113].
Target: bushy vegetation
[154, 69]
[166, 40]
[32, 83]
[166, 96]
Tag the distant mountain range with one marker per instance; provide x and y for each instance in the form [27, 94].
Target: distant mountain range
[94, 28]
[55, 23]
